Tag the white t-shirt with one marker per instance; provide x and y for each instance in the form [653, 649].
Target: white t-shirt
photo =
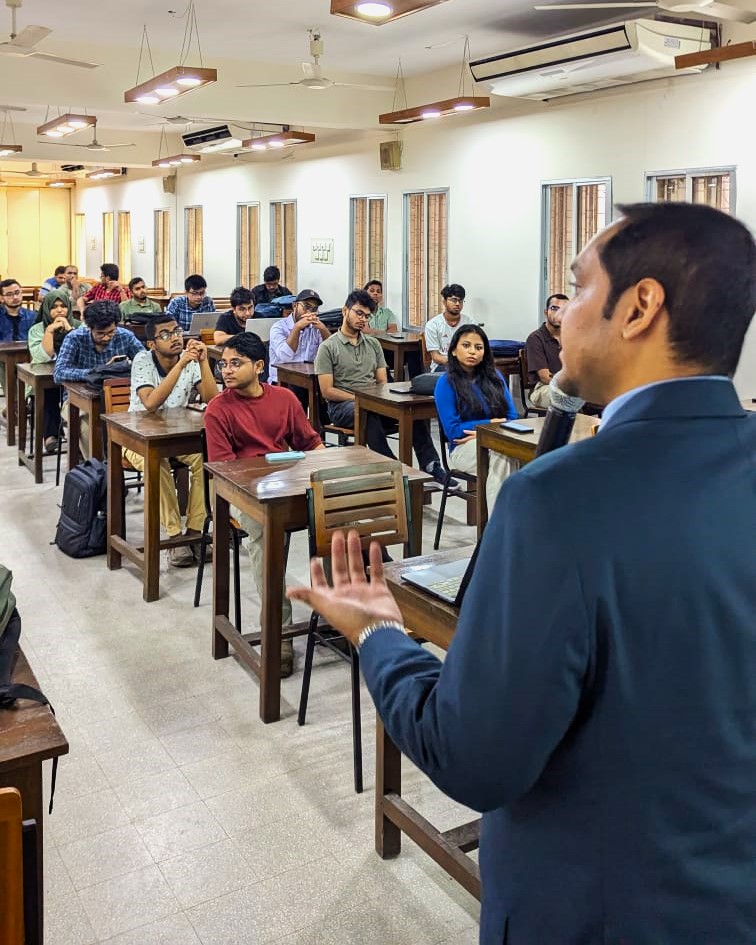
[439, 333]
[145, 373]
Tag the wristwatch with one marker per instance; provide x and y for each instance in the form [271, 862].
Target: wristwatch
[379, 625]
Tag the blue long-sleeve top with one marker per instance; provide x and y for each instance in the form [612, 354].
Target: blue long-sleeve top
[448, 409]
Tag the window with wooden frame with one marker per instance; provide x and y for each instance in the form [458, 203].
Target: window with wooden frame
[108, 238]
[124, 246]
[426, 253]
[193, 236]
[573, 213]
[162, 274]
[283, 240]
[368, 253]
[248, 244]
[714, 187]
[80, 242]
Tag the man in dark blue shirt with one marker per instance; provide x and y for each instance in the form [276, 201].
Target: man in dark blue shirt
[15, 320]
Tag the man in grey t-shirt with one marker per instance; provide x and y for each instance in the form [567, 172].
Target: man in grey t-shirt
[440, 329]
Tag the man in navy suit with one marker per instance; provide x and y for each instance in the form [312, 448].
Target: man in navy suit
[598, 702]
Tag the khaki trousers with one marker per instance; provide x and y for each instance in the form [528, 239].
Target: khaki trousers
[255, 552]
[465, 458]
[540, 396]
[170, 516]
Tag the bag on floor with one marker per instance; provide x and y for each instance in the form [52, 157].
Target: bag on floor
[504, 348]
[81, 530]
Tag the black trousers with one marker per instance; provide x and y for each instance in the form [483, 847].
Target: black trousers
[342, 414]
[51, 413]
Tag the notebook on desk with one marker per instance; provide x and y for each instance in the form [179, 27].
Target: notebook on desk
[447, 581]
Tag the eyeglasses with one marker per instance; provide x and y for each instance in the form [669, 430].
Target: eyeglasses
[359, 313]
[309, 307]
[167, 335]
[455, 300]
[12, 292]
[244, 309]
[555, 308]
[103, 334]
[234, 364]
[197, 293]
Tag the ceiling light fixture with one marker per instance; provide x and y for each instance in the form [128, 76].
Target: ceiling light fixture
[104, 173]
[65, 125]
[6, 149]
[283, 139]
[176, 160]
[66, 182]
[379, 13]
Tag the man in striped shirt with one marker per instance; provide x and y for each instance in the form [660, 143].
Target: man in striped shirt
[108, 289]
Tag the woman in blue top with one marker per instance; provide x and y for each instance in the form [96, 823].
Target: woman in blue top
[472, 392]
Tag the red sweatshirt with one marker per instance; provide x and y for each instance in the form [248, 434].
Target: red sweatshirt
[241, 427]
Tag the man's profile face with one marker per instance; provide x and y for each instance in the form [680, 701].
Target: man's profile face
[357, 317]
[375, 292]
[303, 309]
[195, 297]
[238, 370]
[103, 336]
[243, 312]
[70, 274]
[139, 291]
[60, 278]
[453, 306]
[554, 312]
[271, 285]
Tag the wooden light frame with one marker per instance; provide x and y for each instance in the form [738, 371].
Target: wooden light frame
[450, 106]
[283, 139]
[6, 149]
[178, 79]
[718, 54]
[399, 8]
[176, 160]
[105, 173]
[65, 125]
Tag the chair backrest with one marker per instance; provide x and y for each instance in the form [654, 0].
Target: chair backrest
[371, 499]
[207, 335]
[11, 868]
[424, 351]
[117, 394]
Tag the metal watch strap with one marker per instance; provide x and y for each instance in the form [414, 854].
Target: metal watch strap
[380, 625]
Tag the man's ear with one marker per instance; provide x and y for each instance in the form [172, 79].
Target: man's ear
[259, 366]
[344, 311]
[645, 302]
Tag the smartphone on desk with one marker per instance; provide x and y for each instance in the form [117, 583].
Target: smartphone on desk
[393, 335]
[516, 427]
[119, 357]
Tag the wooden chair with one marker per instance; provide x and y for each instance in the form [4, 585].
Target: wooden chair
[374, 500]
[526, 386]
[116, 393]
[207, 336]
[343, 434]
[427, 361]
[11, 869]
[469, 495]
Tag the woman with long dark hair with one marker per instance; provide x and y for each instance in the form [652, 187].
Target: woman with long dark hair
[472, 392]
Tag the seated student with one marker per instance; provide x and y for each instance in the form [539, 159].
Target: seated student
[73, 286]
[15, 322]
[440, 328]
[230, 323]
[542, 348]
[108, 289]
[166, 375]
[298, 336]
[383, 319]
[196, 300]
[349, 360]
[54, 321]
[270, 288]
[140, 303]
[56, 281]
[469, 393]
[250, 418]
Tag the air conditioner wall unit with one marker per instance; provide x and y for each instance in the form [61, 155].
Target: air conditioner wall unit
[600, 58]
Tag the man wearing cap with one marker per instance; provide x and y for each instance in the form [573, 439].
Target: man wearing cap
[298, 337]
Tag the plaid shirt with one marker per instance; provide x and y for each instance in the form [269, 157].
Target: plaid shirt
[78, 355]
[179, 308]
[100, 293]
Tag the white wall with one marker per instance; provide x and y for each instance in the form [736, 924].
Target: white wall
[494, 169]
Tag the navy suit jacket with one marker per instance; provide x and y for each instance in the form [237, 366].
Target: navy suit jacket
[598, 702]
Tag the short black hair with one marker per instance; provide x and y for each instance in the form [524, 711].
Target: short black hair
[59, 270]
[455, 289]
[272, 274]
[360, 297]
[6, 282]
[373, 282]
[557, 295]
[153, 324]
[248, 344]
[135, 281]
[194, 282]
[109, 270]
[99, 315]
[240, 296]
[705, 260]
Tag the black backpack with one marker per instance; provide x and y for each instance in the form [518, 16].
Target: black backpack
[99, 374]
[81, 530]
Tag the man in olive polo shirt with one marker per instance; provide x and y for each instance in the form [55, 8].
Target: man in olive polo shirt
[542, 350]
[139, 303]
[349, 360]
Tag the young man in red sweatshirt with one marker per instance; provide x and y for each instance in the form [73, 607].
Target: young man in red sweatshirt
[248, 419]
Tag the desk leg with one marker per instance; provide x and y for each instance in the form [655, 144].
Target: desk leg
[221, 538]
[28, 780]
[388, 780]
[115, 503]
[21, 396]
[399, 363]
[483, 457]
[39, 427]
[151, 575]
[10, 401]
[405, 437]
[360, 425]
[74, 434]
[314, 408]
[274, 574]
[95, 435]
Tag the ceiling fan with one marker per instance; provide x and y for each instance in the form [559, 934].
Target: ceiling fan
[34, 172]
[23, 45]
[313, 75]
[93, 145]
[738, 11]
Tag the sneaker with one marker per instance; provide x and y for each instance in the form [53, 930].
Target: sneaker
[287, 658]
[196, 547]
[180, 557]
[51, 444]
[440, 474]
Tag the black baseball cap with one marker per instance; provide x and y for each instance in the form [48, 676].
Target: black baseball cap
[306, 294]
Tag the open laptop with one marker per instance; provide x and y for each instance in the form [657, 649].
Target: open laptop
[261, 327]
[448, 581]
[202, 321]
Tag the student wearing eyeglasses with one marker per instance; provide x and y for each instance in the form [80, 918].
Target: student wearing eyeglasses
[166, 375]
[543, 349]
[440, 329]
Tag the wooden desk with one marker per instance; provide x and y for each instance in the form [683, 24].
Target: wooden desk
[12, 353]
[404, 408]
[83, 399]
[435, 621]
[40, 378]
[170, 432]
[29, 735]
[162, 300]
[399, 347]
[274, 496]
[302, 374]
[520, 446]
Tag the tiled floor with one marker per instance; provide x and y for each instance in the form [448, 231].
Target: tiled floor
[179, 817]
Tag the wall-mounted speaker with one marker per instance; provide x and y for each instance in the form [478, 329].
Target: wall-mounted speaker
[169, 184]
[391, 155]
